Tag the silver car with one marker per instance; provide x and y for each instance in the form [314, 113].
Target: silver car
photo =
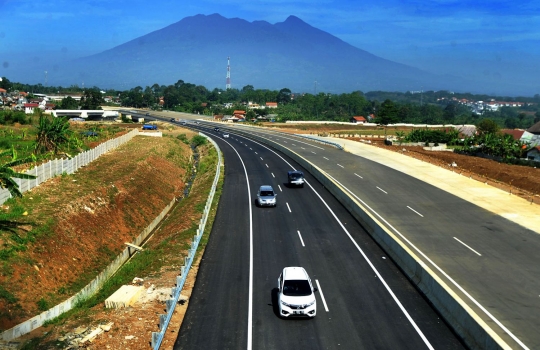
[266, 197]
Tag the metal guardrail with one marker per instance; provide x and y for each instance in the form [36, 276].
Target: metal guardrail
[337, 145]
[164, 320]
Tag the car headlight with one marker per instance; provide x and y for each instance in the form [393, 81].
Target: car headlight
[284, 303]
[313, 302]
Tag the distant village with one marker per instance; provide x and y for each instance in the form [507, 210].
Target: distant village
[478, 107]
[19, 101]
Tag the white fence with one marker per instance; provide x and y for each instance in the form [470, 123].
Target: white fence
[157, 337]
[57, 167]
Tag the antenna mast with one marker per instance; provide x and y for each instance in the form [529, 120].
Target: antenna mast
[228, 83]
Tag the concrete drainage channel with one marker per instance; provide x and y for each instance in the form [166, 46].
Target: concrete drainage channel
[37, 321]
[157, 337]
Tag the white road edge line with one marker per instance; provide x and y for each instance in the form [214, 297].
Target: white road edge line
[358, 175]
[467, 246]
[322, 295]
[250, 283]
[301, 240]
[289, 207]
[402, 308]
[475, 302]
[416, 212]
[380, 189]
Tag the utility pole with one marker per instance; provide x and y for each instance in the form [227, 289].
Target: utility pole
[315, 87]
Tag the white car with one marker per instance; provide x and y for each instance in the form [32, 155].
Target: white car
[226, 136]
[296, 295]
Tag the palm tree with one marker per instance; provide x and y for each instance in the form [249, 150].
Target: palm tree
[51, 134]
[7, 173]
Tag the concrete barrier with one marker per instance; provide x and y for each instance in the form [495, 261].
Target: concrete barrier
[464, 321]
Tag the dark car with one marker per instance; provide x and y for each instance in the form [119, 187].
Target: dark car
[295, 178]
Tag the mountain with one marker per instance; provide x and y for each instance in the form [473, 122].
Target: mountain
[289, 54]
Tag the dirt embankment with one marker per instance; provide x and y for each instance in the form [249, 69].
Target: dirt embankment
[80, 222]
[517, 179]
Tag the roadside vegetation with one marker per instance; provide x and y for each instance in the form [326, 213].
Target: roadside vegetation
[165, 251]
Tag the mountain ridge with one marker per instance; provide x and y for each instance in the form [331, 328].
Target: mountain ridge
[290, 54]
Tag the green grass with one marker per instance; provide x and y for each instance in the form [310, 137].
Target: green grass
[170, 251]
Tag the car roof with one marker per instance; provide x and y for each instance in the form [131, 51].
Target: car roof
[294, 273]
[266, 188]
[295, 172]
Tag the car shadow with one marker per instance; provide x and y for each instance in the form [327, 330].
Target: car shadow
[275, 305]
[288, 185]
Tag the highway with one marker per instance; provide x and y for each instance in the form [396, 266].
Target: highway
[363, 302]
[489, 262]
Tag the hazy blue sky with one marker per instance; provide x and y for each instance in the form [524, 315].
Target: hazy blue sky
[494, 39]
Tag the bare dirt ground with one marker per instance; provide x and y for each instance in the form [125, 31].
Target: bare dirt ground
[519, 180]
[131, 328]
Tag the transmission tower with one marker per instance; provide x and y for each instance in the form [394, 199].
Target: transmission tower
[228, 83]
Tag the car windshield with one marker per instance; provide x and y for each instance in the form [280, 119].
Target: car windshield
[267, 193]
[296, 288]
[295, 176]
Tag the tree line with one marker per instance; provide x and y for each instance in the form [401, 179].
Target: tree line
[424, 107]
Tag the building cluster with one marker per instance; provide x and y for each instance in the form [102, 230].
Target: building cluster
[240, 114]
[478, 107]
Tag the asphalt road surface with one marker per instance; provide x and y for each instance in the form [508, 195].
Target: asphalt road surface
[490, 262]
[363, 302]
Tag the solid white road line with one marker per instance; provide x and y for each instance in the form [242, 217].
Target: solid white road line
[387, 287]
[473, 300]
[415, 211]
[382, 190]
[467, 246]
[358, 175]
[301, 240]
[250, 283]
[322, 295]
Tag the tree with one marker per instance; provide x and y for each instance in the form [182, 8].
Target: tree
[284, 96]
[52, 133]
[388, 113]
[92, 99]
[7, 173]
[487, 126]
[69, 103]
